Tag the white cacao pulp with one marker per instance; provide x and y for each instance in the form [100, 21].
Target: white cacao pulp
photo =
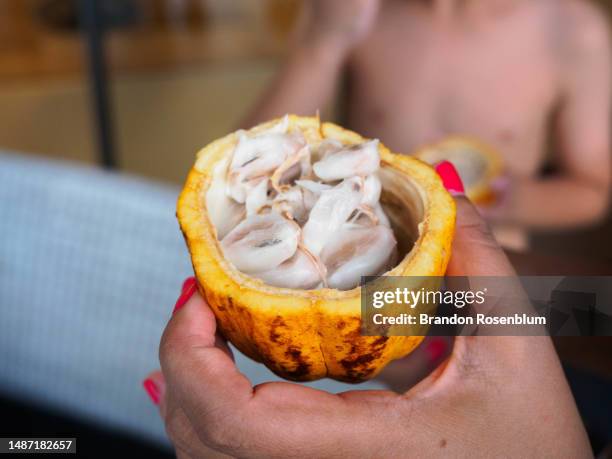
[300, 214]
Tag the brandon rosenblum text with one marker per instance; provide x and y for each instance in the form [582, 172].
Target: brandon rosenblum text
[456, 319]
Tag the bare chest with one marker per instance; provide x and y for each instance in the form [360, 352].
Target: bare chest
[414, 87]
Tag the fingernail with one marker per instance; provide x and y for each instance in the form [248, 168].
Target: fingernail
[152, 390]
[189, 288]
[436, 349]
[187, 282]
[450, 178]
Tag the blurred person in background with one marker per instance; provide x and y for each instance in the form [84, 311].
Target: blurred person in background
[513, 73]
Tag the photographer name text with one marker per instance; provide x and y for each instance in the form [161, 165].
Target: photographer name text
[456, 319]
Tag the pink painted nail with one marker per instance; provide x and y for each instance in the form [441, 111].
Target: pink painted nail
[450, 178]
[189, 288]
[152, 390]
[187, 282]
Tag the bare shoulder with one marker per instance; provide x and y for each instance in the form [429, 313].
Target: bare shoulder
[586, 26]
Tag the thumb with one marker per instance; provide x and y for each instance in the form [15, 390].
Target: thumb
[476, 256]
[478, 259]
[475, 250]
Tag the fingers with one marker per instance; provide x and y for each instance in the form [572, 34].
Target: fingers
[198, 366]
[208, 402]
[211, 403]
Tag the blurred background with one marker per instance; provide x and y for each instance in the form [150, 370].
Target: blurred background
[180, 73]
[138, 86]
[170, 76]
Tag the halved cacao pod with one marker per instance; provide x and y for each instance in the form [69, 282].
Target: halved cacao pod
[478, 164]
[305, 335]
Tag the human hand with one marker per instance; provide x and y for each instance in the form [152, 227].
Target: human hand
[339, 24]
[494, 396]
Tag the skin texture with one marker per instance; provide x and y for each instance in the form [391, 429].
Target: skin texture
[509, 72]
[472, 404]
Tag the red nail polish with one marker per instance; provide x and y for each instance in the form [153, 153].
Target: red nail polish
[189, 288]
[152, 390]
[436, 349]
[450, 177]
[187, 282]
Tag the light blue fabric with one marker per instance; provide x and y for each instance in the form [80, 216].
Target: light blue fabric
[90, 266]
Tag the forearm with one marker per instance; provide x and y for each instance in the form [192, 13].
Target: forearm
[306, 83]
[556, 203]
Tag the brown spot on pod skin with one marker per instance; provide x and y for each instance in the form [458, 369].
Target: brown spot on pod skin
[380, 340]
[277, 323]
[303, 367]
